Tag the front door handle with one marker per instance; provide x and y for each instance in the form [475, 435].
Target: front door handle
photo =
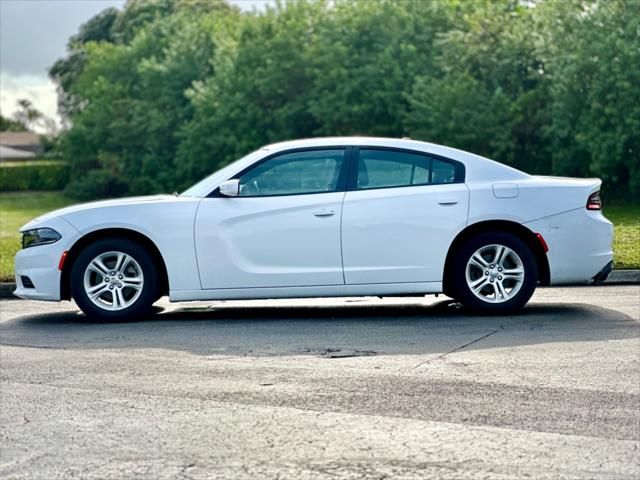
[447, 201]
[325, 212]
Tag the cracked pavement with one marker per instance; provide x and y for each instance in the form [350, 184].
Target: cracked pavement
[325, 388]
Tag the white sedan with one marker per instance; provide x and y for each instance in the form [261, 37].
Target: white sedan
[322, 218]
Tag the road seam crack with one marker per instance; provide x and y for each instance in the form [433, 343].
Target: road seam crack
[460, 347]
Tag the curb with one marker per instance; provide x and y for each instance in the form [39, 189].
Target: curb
[617, 277]
[623, 277]
[6, 290]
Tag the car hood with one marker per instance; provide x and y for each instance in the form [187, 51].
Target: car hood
[62, 212]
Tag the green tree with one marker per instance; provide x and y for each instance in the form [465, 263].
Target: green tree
[460, 111]
[487, 90]
[594, 61]
[132, 101]
[260, 91]
[165, 91]
[66, 70]
[365, 59]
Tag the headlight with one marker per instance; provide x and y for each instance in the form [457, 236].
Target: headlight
[39, 236]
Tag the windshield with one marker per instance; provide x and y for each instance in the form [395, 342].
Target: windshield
[206, 185]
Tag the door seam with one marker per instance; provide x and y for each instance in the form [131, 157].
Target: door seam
[195, 242]
[344, 280]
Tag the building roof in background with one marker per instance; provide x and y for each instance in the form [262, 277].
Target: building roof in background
[8, 153]
[14, 139]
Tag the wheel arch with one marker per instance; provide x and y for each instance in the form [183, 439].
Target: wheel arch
[78, 246]
[514, 228]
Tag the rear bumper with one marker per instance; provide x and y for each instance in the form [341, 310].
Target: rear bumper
[580, 246]
[603, 274]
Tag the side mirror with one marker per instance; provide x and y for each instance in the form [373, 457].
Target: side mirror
[230, 188]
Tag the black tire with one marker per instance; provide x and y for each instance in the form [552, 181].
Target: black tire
[461, 290]
[150, 287]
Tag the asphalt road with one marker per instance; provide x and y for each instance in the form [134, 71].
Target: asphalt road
[355, 388]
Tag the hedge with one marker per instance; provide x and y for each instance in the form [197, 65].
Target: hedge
[33, 175]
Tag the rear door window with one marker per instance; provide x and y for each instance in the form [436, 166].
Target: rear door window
[379, 168]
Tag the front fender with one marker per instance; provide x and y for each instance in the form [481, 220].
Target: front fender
[169, 225]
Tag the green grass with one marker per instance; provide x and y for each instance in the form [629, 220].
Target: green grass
[17, 208]
[626, 240]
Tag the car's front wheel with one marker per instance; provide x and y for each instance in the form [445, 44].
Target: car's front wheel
[495, 272]
[114, 279]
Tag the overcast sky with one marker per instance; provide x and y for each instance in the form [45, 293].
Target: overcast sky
[34, 34]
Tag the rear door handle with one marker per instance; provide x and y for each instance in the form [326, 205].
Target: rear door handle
[447, 201]
[325, 212]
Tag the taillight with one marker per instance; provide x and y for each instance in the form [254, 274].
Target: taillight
[594, 202]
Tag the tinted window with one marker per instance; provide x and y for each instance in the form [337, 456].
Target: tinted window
[390, 168]
[313, 171]
[442, 171]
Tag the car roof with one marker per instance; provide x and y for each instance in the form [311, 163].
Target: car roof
[368, 141]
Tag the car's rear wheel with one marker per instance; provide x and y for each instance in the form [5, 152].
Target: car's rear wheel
[494, 272]
[114, 279]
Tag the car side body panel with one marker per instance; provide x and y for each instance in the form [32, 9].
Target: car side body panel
[166, 220]
[537, 197]
[381, 289]
[258, 242]
[579, 244]
[395, 235]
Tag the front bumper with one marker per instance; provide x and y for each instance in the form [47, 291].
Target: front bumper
[40, 264]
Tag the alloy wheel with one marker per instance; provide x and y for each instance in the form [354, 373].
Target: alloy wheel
[113, 281]
[495, 273]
